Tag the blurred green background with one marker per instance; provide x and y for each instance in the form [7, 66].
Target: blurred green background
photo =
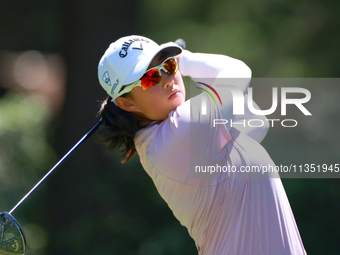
[49, 51]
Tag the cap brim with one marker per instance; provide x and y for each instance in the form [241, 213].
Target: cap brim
[169, 49]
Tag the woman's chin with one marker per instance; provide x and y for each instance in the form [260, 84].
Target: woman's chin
[177, 99]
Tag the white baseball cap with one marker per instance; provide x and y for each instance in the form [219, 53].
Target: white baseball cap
[126, 60]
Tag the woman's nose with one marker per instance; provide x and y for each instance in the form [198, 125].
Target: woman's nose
[167, 80]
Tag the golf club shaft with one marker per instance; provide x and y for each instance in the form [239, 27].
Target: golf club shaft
[87, 135]
[179, 42]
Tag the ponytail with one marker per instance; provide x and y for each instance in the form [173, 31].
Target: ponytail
[119, 129]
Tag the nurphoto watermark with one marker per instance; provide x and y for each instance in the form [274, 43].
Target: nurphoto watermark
[281, 122]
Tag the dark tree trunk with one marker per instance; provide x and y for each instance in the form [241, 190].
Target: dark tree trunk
[88, 28]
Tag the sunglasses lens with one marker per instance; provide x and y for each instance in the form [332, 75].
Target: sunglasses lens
[150, 79]
[171, 66]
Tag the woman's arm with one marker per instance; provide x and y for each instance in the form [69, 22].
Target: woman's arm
[255, 126]
[222, 73]
[202, 66]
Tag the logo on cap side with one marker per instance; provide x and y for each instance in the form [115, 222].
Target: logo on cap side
[114, 86]
[106, 78]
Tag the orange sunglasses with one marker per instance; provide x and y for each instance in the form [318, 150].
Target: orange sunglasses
[153, 76]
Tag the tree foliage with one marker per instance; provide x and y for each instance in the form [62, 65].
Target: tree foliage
[95, 205]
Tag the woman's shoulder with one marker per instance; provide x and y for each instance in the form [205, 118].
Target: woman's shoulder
[187, 125]
[175, 128]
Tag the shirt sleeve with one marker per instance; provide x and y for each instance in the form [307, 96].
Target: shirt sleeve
[254, 126]
[229, 77]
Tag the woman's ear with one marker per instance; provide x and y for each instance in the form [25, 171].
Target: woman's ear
[126, 104]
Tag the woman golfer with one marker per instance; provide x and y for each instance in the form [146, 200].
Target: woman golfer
[200, 168]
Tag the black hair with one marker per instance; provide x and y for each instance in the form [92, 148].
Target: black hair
[119, 128]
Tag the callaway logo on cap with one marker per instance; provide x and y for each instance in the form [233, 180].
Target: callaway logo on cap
[126, 60]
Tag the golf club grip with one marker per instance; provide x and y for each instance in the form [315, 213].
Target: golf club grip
[181, 43]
